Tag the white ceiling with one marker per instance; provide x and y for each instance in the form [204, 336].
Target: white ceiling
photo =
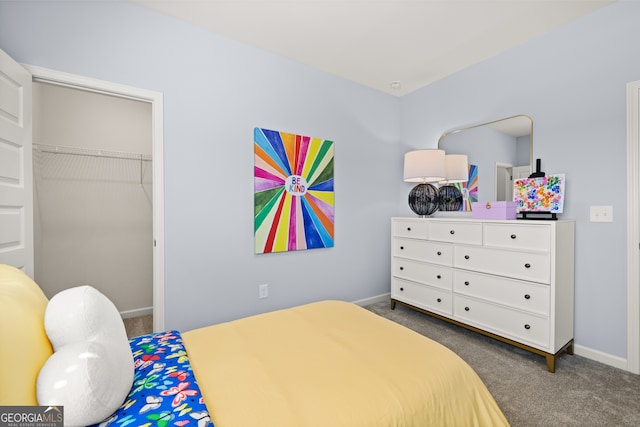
[377, 42]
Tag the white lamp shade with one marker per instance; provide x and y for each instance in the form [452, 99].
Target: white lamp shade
[424, 166]
[457, 167]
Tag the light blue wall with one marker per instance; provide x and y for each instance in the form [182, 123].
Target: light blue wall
[522, 152]
[572, 82]
[215, 92]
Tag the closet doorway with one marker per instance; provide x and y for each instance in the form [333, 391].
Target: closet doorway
[97, 158]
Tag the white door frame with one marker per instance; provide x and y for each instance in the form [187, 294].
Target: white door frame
[499, 167]
[157, 149]
[633, 227]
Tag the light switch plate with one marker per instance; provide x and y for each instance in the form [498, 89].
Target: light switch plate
[601, 214]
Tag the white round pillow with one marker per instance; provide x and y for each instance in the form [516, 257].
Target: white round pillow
[91, 370]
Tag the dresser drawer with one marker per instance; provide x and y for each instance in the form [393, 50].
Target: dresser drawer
[469, 233]
[535, 267]
[414, 229]
[425, 297]
[518, 236]
[513, 324]
[514, 293]
[422, 272]
[423, 250]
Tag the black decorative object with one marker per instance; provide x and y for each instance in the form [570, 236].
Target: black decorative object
[538, 215]
[450, 198]
[423, 199]
[538, 173]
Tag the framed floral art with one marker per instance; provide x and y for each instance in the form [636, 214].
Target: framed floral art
[540, 194]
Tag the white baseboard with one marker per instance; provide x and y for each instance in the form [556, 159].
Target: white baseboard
[136, 312]
[372, 300]
[598, 356]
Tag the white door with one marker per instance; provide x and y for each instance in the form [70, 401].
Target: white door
[503, 182]
[16, 188]
[520, 172]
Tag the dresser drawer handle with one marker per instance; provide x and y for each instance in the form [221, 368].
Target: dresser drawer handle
[527, 296]
[439, 276]
[402, 248]
[408, 228]
[466, 257]
[439, 300]
[513, 236]
[401, 289]
[527, 326]
[527, 265]
[466, 283]
[452, 232]
[439, 253]
[467, 309]
[401, 268]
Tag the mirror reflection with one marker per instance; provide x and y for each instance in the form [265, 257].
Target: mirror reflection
[499, 152]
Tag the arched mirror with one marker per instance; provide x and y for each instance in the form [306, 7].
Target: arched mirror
[498, 151]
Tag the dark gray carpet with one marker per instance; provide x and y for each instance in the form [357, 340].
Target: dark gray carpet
[581, 392]
[136, 326]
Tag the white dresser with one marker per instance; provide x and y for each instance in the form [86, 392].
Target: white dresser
[510, 280]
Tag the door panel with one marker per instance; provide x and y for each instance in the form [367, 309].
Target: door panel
[520, 172]
[16, 180]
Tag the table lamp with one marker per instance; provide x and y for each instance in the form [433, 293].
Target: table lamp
[424, 167]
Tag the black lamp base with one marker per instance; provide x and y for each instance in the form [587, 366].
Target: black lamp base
[450, 198]
[424, 199]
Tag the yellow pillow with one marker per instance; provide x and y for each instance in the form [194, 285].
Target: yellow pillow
[24, 344]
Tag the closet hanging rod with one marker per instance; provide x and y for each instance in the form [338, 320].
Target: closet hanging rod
[79, 151]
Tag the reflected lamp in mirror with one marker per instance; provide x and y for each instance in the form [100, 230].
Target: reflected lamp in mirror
[424, 167]
[450, 196]
[457, 167]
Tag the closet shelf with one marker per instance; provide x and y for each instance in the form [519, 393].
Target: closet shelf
[79, 151]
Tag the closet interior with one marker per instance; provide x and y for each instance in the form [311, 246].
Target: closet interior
[93, 195]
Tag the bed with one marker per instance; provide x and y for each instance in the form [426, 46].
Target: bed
[328, 363]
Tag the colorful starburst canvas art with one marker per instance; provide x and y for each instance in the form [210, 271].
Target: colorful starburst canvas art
[469, 189]
[293, 192]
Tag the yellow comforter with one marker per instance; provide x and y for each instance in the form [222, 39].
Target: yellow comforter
[333, 364]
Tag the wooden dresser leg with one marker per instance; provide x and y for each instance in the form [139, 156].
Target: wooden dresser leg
[570, 348]
[393, 304]
[551, 363]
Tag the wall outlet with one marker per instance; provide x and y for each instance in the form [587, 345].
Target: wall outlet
[263, 291]
[601, 214]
